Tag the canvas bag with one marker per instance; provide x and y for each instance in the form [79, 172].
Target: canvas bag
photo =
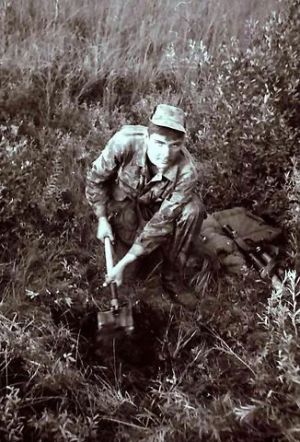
[221, 249]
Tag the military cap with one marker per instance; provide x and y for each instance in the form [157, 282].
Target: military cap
[169, 116]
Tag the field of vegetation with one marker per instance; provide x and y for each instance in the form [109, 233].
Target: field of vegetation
[71, 73]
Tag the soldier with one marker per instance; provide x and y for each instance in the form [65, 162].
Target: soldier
[143, 191]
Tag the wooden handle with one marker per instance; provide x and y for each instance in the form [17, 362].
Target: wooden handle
[109, 266]
[108, 254]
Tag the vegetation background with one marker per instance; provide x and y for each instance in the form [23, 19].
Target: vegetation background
[71, 73]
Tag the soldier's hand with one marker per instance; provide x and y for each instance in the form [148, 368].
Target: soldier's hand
[104, 229]
[115, 275]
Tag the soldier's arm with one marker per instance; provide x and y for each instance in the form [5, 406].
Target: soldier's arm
[161, 225]
[103, 169]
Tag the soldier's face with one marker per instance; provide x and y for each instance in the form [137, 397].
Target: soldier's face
[163, 150]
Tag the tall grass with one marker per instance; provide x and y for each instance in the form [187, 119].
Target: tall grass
[71, 73]
[110, 39]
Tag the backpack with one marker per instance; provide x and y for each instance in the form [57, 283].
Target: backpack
[215, 245]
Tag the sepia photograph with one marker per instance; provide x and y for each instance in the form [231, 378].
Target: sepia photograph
[149, 221]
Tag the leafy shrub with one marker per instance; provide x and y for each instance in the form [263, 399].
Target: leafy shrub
[241, 121]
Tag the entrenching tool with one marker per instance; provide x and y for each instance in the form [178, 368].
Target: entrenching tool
[119, 318]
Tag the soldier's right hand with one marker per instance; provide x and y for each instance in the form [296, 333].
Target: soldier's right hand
[104, 229]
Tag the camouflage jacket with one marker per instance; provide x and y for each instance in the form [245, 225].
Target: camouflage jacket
[122, 171]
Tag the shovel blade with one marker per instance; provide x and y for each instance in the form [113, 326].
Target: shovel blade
[116, 319]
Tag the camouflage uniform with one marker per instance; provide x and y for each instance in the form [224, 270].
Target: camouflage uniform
[149, 211]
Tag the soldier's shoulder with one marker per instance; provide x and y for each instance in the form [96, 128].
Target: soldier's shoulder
[189, 167]
[128, 136]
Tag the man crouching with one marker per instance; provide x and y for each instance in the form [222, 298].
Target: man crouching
[143, 191]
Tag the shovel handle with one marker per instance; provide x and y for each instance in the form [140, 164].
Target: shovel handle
[109, 265]
[108, 254]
